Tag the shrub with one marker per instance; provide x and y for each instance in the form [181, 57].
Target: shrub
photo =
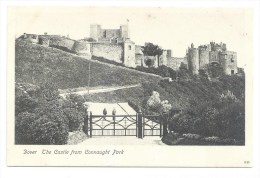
[39, 128]
[75, 118]
[45, 123]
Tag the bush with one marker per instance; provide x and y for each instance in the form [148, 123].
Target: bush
[75, 118]
[45, 122]
[42, 129]
[224, 119]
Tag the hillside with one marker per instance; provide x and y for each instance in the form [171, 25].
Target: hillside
[34, 64]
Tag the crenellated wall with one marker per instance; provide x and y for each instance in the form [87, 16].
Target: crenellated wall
[212, 53]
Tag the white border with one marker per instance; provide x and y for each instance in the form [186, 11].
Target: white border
[44, 172]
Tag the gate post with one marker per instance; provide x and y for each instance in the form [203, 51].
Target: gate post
[165, 123]
[90, 119]
[140, 125]
[85, 126]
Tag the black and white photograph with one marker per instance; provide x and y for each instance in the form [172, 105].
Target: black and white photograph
[132, 79]
[106, 85]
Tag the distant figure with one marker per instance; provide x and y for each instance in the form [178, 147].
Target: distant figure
[104, 111]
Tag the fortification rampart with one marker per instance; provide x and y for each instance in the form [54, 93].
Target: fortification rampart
[112, 52]
[62, 42]
[176, 62]
[82, 48]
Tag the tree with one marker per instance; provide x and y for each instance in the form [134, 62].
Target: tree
[149, 62]
[155, 104]
[152, 50]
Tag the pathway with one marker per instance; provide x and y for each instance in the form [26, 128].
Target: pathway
[123, 140]
[101, 90]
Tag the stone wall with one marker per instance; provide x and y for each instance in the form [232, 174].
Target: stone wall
[33, 38]
[214, 56]
[203, 58]
[62, 42]
[139, 58]
[111, 33]
[175, 62]
[112, 52]
[82, 48]
[163, 58]
[44, 41]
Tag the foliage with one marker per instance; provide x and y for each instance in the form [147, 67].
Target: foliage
[75, 118]
[151, 49]
[203, 74]
[74, 101]
[45, 122]
[47, 125]
[149, 62]
[155, 104]
[216, 70]
[225, 118]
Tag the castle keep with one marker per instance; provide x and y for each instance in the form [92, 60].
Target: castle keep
[116, 45]
[211, 54]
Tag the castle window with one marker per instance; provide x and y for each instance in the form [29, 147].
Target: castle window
[232, 60]
[129, 47]
[232, 72]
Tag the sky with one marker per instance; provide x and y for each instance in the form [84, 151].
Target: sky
[170, 28]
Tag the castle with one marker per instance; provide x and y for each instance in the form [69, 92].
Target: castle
[116, 45]
[212, 54]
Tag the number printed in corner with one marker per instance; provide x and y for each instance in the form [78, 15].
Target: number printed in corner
[246, 162]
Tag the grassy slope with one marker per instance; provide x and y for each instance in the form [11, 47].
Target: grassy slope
[35, 63]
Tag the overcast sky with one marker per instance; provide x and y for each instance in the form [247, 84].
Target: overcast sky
[171, 28]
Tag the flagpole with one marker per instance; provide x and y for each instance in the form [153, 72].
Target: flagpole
[88, 76]
[127, 24]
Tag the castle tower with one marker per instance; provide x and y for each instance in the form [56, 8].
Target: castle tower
[124, 31]
[95, 31]
[203, 56]
[129, 53]
[228, 61]
[193, 59]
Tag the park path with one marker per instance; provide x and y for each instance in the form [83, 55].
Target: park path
[123, 140]
[101, 90]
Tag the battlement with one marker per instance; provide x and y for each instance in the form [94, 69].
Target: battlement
[218, 46]
[105, 35]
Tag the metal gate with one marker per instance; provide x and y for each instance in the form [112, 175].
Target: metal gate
[138, 125]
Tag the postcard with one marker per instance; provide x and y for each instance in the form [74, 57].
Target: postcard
[130, 86]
